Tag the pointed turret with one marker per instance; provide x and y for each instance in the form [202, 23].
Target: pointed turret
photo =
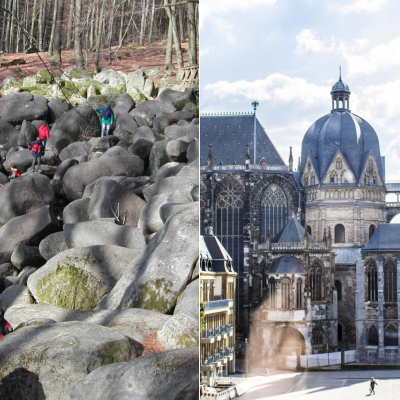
[290, 160]
[329, 240]
[299, 165]
[247, 158]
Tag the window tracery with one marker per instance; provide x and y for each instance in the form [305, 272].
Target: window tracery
[285, 293]
[372, 280]
[390, 281]
[273, 210]
[315, 279]
[373, 335]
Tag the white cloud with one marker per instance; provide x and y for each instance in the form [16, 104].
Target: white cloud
[379, 58]
[224, 28]
[210, 7]
[306, 41]
[347, 7]
[204, 50]
[278, 88]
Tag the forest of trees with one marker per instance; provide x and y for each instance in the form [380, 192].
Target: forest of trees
[91, 26]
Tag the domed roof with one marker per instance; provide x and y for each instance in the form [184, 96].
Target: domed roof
[340, 86]
[345, 132]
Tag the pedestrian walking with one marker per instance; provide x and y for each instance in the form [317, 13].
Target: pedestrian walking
[107, 119]
[372, 386]
[37, 149]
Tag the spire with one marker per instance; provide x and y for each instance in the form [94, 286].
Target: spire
[209, 158]
[340, 72]
[329, 240]
[340, 94]
[299, 165]
[247, 158]
[290, 160]
[255, 104]
[208, 229]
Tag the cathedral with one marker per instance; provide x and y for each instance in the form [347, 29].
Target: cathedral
[309, 244]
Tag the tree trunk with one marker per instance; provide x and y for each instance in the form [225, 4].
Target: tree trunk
[57, 34]
[121, 25]
[98, 39]
[41, 25]
[171, 12]
[168, 53]
[192, 34]
[77, 33]
[143, 23]
[181, 25]
[152, 21]
[110, 29]
[68, 43]
[32, 30]
[53, 28]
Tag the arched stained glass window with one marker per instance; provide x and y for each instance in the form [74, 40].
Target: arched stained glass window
[372, 281]
[299, 293]
[272, 293]
[229, 220]
[391, 335]
[315, 278]
[373, 335]
[285, 291]
[390, 281]
[273, 210]
[339, 234]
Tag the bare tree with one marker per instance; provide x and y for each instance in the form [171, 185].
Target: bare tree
[57, 34]
[192, 32]
[99, 32]
[77, 35]
[171, 12]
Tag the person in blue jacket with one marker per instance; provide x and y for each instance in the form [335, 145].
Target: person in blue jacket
[107, 118]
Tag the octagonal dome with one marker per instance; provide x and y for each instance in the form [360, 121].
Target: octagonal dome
[340, 86]
[345, 132]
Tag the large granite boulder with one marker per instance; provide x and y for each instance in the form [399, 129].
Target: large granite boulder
[79, 176]
[169, 375]
[28, 229]
[23, 256]
[156, 278]
[25, 195]
[78, 122]
[59, 354]
[52, 245]
[16, 295]
[148, 110]
[76, 211]
[75, 150]
[178, 98]
[57, 108]
[27, 134]
[79, 278]
[16, 107]
[92, 233]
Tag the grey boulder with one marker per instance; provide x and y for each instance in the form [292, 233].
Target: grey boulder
[23, 256]
[52, 245]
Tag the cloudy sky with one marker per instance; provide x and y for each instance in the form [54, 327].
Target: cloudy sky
[286, 54]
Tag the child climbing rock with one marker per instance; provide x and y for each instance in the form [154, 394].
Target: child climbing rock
[37, 149]
[14, 173]
[107, 118]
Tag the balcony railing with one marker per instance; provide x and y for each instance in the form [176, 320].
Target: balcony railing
[216, 304]
[228, 351]
[211, 332]
[252, 167]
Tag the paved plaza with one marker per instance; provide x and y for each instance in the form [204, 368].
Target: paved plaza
[332, 385]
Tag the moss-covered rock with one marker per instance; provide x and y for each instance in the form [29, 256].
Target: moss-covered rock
[137, 96]
[44, 76]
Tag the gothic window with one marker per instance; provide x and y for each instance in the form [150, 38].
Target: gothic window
[308, 227]
[317, 336]
[332, 178]
[390, 281]
[373, 336]
[299, 293]
[370, 167]
[309, 167]
[371, 231]
[272, 293]
[306, 181]
[339, 234]
[285, 293]
[366, 179]
[312, 179]
[371, 281]
[340, 332]
[374, 180]
[229, 220]
[338, 285]
[273, 210]
[315, 278]
[338, 163]
[391, 335]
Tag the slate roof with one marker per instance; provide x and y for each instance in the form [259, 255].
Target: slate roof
[212, 249]
[287, 265]
[293, 232]
[340, 86]
[385, 238]
[229, 135]
[344, 131]
[347, 256]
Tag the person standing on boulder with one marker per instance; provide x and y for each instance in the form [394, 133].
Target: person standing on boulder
[5, 327]
[107, 118]
[44, 133]
[36, 148]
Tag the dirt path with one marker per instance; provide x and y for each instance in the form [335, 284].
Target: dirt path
[145, 57]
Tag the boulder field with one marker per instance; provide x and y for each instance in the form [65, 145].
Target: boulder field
[98, 252]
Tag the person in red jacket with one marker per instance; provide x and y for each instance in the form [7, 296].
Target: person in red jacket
[14, 173]
[5, 327]
[44, 133]
[37, 149]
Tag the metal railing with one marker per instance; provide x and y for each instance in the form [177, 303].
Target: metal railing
[211, 332]
[216, 304]
[251, 167]
[216, 357]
